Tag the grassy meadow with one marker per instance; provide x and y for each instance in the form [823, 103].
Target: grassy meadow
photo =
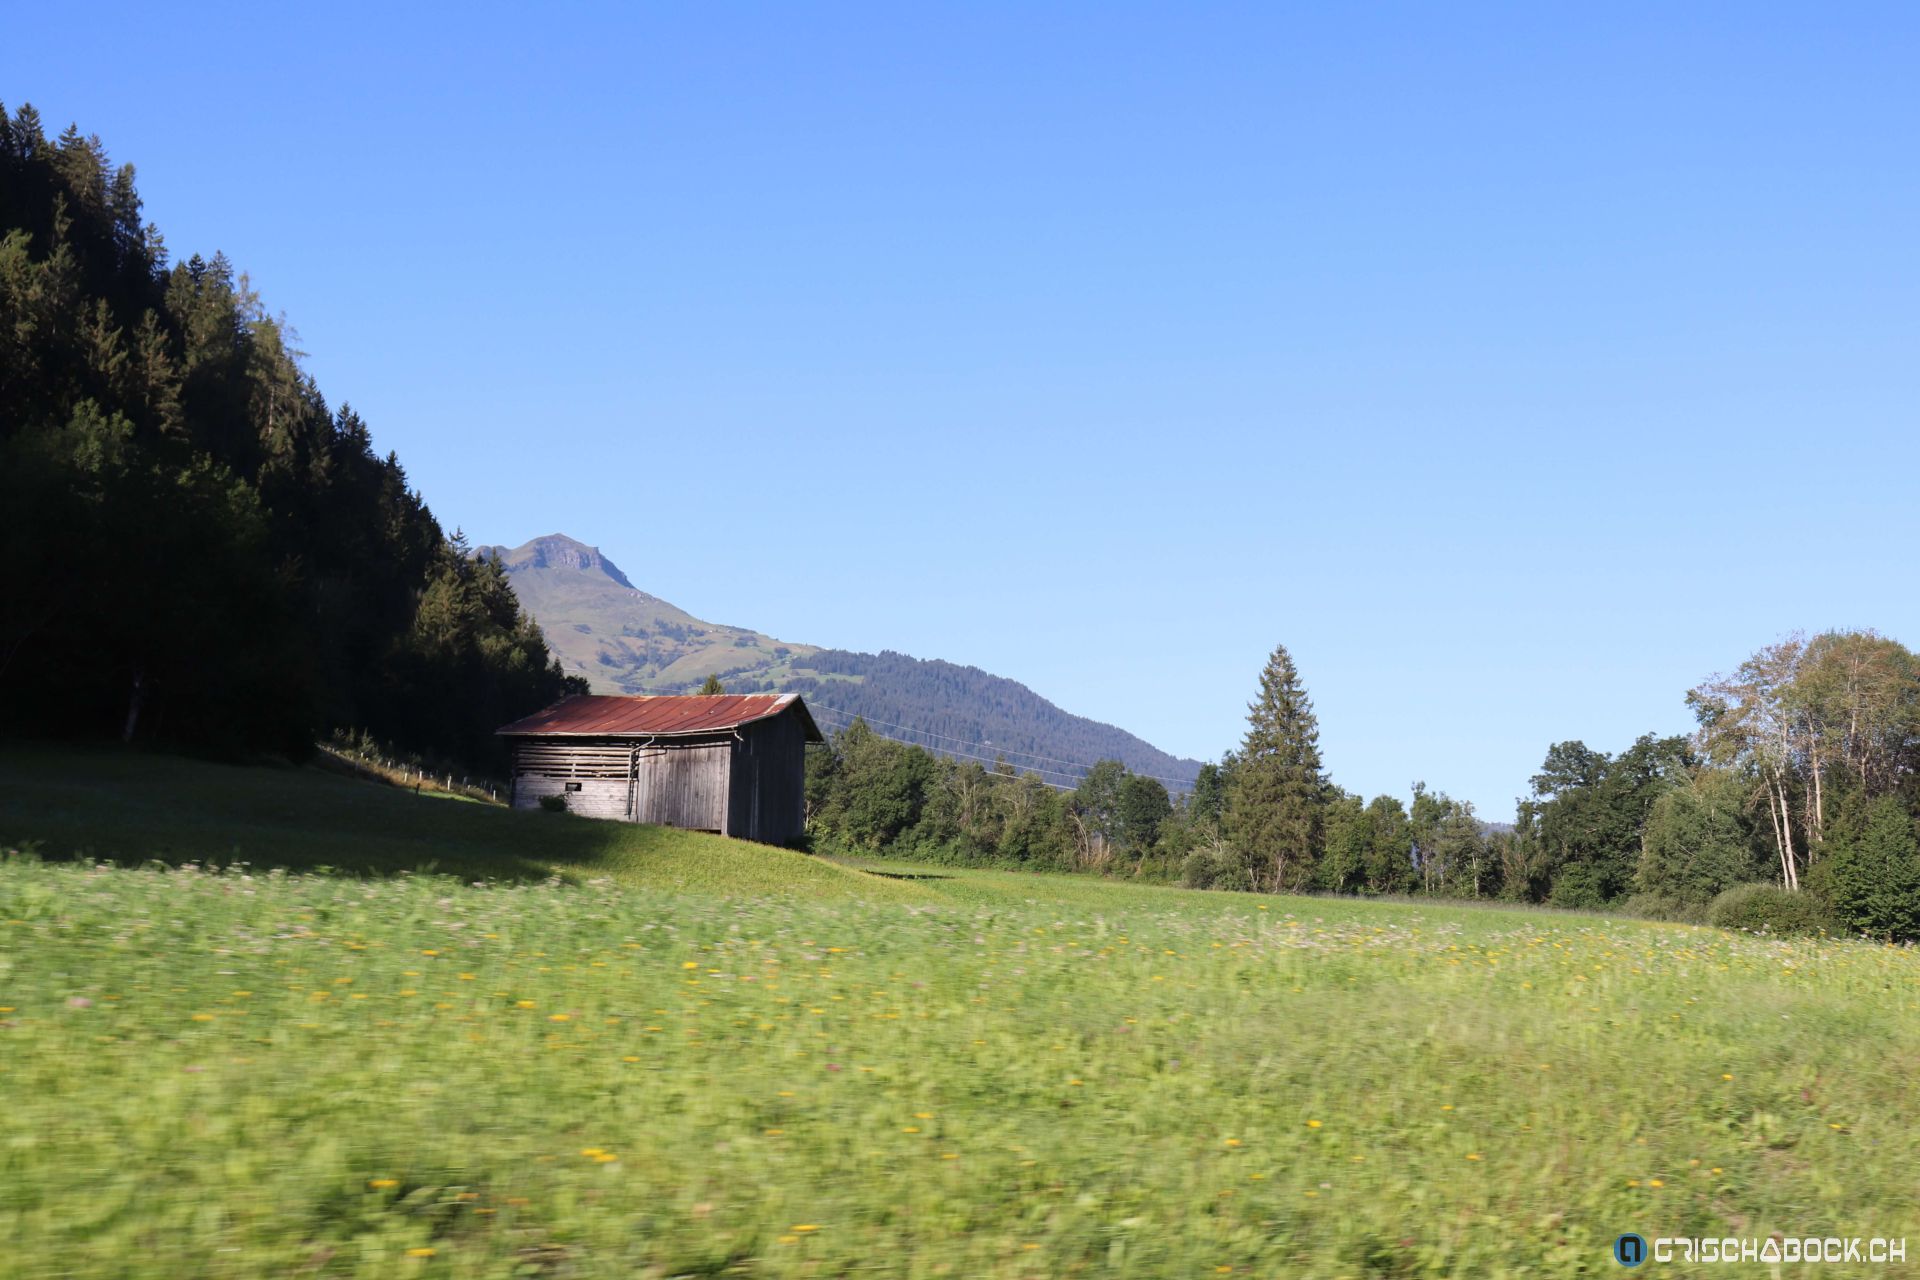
[584, 1050]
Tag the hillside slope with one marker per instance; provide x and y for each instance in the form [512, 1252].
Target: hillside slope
[130, 807]
[624, 640]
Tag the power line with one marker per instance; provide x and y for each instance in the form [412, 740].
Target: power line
[1005, 751]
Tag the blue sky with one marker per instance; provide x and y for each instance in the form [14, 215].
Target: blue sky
[1517, 367]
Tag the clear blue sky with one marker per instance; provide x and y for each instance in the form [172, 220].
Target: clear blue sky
[1517, 367]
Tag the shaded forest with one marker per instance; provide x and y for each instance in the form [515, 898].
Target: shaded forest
[195, 548]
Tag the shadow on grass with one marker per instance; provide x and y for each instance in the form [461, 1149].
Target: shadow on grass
[132, 807]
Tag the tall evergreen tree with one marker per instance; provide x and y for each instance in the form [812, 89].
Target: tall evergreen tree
[1875, 876]
[1277, 794]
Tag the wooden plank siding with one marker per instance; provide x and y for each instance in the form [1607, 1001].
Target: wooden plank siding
[768, 803]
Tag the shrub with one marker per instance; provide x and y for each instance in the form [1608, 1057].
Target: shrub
[554, 804]
[1214, 866]
[1768, 908]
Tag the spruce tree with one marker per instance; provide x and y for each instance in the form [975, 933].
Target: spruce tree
[712, 686]
[1875, 876]
[1277, 795]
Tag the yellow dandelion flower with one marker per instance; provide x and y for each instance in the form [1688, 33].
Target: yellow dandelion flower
[789, 1239]
[422, 1252]
[559, 1017]
[632, 1057]
[381, 1184]
[203, 1017]
[1313, 1124]
[774, 1133]
[605, 1157]
[1473, 1155]
[910, 1128]
[923, 1115]
[591, 1152]
[1655, 1182]
[1726, 1075]
[1233, 1142]
[690, 964]
[804, 1227]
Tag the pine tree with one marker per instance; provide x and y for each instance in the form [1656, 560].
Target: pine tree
[1277, 794]
[712, 686]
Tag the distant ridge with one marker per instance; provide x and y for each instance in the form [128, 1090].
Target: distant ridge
[624, 640]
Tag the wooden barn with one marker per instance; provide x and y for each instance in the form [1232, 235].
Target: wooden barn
[732, 764]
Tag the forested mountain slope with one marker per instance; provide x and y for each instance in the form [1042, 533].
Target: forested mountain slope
[194, 548]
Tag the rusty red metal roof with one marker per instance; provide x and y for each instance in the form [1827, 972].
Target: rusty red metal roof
[657, 715]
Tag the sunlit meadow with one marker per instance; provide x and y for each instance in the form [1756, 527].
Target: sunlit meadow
[245, 1073]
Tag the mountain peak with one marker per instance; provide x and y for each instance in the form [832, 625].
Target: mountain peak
[556, 551]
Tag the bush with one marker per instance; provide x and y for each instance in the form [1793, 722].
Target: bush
[554, 804]
[1768, 908]
[1214, 866]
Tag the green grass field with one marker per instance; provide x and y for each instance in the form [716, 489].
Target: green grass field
[694, 1057]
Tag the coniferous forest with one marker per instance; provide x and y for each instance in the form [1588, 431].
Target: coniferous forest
[195, 548]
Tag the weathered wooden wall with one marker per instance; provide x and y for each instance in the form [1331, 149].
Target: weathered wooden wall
[768, 800]
[545, 766]
[684, 785]
[594, 799]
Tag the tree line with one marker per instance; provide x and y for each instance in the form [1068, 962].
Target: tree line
[1792, 806]
[194, 547]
